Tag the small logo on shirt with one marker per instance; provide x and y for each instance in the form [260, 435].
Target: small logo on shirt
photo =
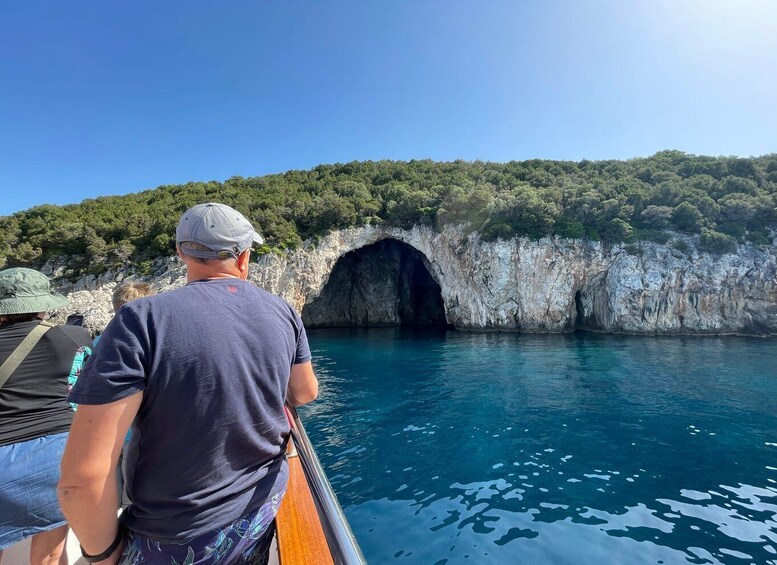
[232, 288]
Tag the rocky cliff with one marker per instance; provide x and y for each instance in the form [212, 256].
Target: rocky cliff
[353, 277]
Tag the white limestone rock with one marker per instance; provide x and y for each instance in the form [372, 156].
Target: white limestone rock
[550, 285]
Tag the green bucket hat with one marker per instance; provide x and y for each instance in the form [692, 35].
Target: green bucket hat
[23, 291]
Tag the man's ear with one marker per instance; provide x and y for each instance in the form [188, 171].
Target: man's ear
[242, 262]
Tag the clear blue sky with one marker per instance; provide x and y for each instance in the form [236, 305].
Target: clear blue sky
[111, 97]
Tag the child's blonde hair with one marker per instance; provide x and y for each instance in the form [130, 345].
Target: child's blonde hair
[129, 291]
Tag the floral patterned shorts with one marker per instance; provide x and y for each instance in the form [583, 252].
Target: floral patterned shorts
[246, 541]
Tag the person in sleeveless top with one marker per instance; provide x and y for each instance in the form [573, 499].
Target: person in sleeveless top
[34, 413]
[201, 373]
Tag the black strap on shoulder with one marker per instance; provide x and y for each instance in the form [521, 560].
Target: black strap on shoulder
[19, 354]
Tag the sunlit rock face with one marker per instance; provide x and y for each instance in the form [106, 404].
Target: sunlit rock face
[663, 291]
[91, 296]
[550, 285]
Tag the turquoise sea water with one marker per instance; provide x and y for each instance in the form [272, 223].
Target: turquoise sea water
[455, 447]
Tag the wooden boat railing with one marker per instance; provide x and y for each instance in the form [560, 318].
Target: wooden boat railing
[312, 527]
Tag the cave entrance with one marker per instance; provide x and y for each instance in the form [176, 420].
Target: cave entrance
[384, 284]
[579, 324]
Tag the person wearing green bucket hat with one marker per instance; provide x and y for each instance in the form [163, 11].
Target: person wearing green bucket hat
[36, 358]
[25, 290]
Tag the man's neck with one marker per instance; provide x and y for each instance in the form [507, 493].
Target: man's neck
[232, 269]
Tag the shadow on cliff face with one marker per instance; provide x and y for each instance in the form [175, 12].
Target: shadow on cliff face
[383, 284]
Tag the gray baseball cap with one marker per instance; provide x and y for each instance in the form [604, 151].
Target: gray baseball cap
[223, 230]
[25, 291]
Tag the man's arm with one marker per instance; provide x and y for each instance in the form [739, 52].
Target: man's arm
[303, 385]
[87, 488]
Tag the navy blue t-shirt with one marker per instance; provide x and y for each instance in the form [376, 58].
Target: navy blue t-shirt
[213, 360]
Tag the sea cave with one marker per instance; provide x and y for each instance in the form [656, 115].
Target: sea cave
[384, 284]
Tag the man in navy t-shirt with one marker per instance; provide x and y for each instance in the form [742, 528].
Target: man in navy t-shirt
[201, 373]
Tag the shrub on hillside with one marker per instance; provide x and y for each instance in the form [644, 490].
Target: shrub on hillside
[715, 242]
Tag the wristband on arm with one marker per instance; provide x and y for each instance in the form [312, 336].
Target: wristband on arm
[108, 552]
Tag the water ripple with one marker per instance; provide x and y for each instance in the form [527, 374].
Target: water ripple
[557, 450]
